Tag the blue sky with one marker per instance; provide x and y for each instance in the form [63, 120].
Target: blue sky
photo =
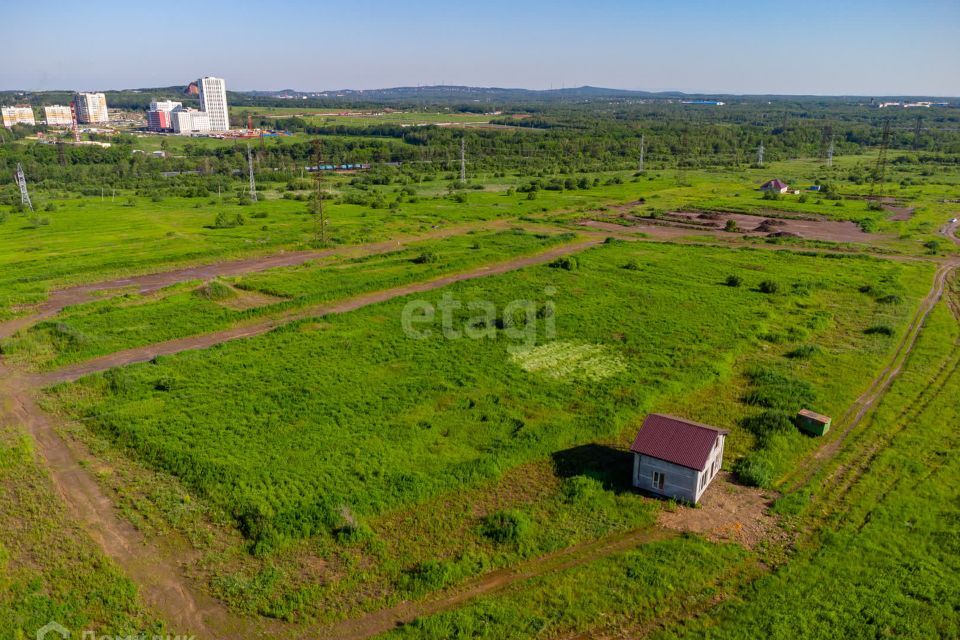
[855, 47]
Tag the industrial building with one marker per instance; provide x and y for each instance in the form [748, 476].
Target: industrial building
[57, 115]
[160, 115]
[17, 115]
[676, 458]
[188, 121]
[213, 101]
[91, 108]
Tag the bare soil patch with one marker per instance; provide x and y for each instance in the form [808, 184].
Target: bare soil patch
[727, 512]
[676, 224]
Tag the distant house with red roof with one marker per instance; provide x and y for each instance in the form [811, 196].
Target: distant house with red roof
[676, 458]
[776, 185]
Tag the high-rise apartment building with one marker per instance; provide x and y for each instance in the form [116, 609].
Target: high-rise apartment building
[91, 108]
[187, 121]
[160, 115]
[213, 101]
[17, 115]
[57, 115]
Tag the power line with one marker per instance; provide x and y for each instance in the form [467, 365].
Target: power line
[22, 183]
[253, 183]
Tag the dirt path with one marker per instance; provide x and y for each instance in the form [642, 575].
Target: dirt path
[406, 612]
[869, 398]
[147, 283]
[159, 580]
[143, 354]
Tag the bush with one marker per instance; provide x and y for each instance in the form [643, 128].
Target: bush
[567, 263]
[879, 329]
[734, 281]
[768, 423]
[633, 265]
[803, 352]
[754, 470]
[427, 257]
[731, 226]
[506, 527]
[769, 286]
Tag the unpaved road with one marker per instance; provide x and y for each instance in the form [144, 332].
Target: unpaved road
[143, 354]
[148, 283]
[158, 576]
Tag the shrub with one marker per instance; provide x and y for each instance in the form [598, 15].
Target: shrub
[768, 423]
[427, 257]
[633, 265]
[731, 226]
[506, 527]
[567, 263]
[754, 470]
[879, 329]
[803, 352]
[769, 286]
[734, 281]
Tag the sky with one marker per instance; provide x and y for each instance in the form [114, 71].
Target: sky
[838, 47]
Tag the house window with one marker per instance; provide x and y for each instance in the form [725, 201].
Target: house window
[657, 480]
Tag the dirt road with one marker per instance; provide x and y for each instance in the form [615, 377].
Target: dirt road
[158, 575]
[143, 354]
[147, 283]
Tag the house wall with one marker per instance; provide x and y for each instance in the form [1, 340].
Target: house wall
[713, 466]
[680, 482]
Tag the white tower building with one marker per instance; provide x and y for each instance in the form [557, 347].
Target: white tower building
[213, 100]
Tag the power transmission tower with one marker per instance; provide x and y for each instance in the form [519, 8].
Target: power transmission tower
[319, 217]
[760, 154]
[22, 183]
[880, 172]
[642, 149]
[253, 183]
[463, 159]
[917, 130]
[682, 162]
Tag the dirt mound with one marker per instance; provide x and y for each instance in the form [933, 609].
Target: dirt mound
[769, 225]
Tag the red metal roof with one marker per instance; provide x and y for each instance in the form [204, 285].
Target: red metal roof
[676, 440]
[776, 183]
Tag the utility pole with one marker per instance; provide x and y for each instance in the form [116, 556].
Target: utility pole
[642, 149]
[319, 217]
[22, 183]
[253, 183]
[880, 172]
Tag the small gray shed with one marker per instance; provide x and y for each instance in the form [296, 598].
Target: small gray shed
[676, 458]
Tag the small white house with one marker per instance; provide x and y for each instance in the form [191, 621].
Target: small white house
[676, 458]
[776, 185]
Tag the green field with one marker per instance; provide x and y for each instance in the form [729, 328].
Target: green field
[366, 468]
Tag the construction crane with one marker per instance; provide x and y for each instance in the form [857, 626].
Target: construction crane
[22, 183]
[253, 184]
